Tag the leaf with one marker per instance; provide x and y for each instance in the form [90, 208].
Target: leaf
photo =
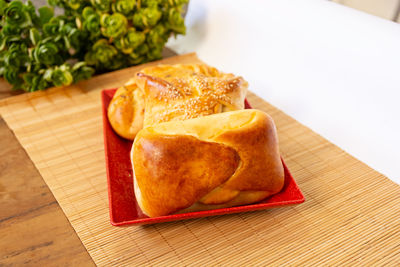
[3, 40]
[3, 5]
[92, 24]
[31, 10]
[16, 56]
[123, 6]
[11, 30]
[28, 77]
[114, 25]
[80, 71]
[34, 36]
[174, 2]
[75, 4]
[157, 36]
[45, 14]
[47, 53]
[130, 41]
[87, 11]
[146, 17]
[40, 83]
[78, 65]
[17, 14]
[12, 77]
[61, 77]
[102, 53]
[47, 74]
[176, 21]
[54, 2]
[74, 35]
[101, 5]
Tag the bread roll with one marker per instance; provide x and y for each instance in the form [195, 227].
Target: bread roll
[210, 162]
[174, 92]
[126, 110]
[180, 92]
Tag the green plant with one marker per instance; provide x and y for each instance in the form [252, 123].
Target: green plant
[39, 50]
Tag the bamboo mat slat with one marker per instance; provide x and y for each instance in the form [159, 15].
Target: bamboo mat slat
[351, 214]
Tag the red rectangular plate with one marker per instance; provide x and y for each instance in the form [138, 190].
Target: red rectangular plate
[124, 209]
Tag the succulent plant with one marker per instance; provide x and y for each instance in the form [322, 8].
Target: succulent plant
[39, 50]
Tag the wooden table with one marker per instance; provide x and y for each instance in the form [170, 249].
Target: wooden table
[33, 227]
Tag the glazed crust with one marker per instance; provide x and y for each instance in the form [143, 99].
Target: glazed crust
[210, 162]
[173, 92]
[126, 111]
[179, 169]
[180, 92]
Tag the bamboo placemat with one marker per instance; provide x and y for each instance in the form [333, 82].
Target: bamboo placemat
[351, 214]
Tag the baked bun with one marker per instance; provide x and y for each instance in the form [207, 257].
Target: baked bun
[126, 110]
[210, 162]
[186, 91]
[174, 92]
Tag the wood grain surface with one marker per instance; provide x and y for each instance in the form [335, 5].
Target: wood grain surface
[33, 228]
[351, 215]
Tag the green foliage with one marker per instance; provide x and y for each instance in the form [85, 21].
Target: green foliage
[17, 14]
[47, 53]
[175, 21]
[131, 40]
[124, 7]
[146, 17]
[101, 53]
[45, 14]
[113, 26]
[100, 5]
[81, 71]
[59, 75]
[91, 22]
[39, 50]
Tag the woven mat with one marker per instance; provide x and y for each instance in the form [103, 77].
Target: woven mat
[351, 214]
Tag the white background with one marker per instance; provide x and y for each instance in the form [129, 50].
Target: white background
[334, 69]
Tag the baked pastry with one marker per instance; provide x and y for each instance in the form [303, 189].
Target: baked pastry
[126, 110]
[174, 92]
[185, 91]
[215, 161]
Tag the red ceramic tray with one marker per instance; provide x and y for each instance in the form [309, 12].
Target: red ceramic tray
[124, 209]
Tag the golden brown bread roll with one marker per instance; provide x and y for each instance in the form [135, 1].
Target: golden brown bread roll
[185, 91]
[126, 110]
[210, 162]
[174, 92]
